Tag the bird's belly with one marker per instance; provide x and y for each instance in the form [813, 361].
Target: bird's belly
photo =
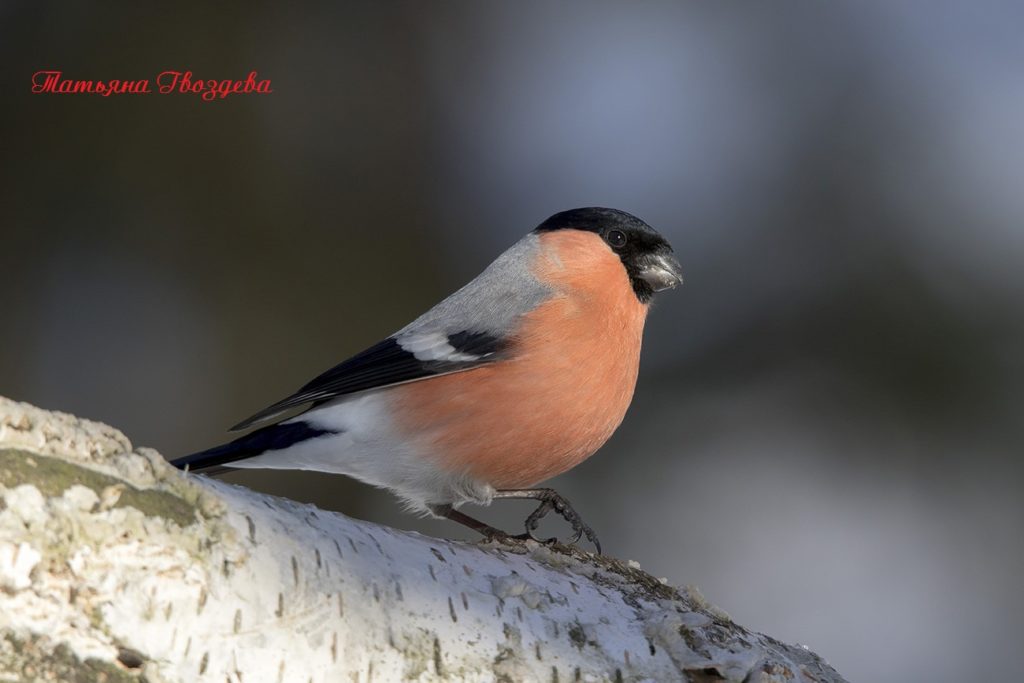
[518, 422]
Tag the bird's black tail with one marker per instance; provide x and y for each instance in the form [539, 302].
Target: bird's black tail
[275, 437]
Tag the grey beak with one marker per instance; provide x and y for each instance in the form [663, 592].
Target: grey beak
[661, 271]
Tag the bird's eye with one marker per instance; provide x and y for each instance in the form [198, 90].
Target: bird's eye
[616, 238]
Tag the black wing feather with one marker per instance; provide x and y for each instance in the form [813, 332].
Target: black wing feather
[277, 437]
[382, 365]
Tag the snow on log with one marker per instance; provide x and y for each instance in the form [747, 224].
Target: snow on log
[116, 567]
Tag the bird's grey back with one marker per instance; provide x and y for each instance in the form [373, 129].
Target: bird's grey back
[491, 303]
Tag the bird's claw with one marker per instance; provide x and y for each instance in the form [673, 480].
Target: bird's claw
[554, 501]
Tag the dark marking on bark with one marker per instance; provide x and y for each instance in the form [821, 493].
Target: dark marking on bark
[377, 545]
[252, 529]
[438, 660]
[432, 574]
[575, 588]
[467, 570]
[353, 544]
[334, 647]
[618, 676]
[203, 663]
[578, 677]
[280, 606]
[280, 672]
[536, 651]
[202, 602]
[465, 602]
[168, 610]
[519, 613]
[341, 606]
[437, 554]
[319, 562]
[654, 650]
[295, 571]
[131, 659]
[188, 645]
[554, 674]
[376, 592]
[237, 626]
[398, 592]
[451, 609]
[337, 546]
[577, 636]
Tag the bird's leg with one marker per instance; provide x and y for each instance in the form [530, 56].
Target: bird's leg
[449, 512]
[551, 500]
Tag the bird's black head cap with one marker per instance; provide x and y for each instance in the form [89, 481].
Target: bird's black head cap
[646, 255]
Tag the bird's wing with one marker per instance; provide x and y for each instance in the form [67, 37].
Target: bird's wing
[404, 357]
[472, 327]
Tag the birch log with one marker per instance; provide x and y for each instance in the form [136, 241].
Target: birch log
[116, 567]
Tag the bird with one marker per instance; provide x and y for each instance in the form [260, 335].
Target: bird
[517, 377]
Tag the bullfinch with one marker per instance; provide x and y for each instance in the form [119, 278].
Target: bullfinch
[515, 378]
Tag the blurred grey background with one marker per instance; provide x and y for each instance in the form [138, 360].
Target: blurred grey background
[826, 435]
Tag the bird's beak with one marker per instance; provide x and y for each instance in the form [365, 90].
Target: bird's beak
[661, 271]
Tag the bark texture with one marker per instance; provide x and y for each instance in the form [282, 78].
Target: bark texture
[116, 567]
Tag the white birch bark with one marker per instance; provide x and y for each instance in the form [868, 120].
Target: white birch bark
[116, 567]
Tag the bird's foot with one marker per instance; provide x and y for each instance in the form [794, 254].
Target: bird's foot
[551, 500]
